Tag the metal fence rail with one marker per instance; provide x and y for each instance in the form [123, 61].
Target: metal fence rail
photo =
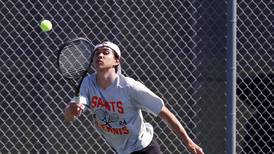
[176, 48]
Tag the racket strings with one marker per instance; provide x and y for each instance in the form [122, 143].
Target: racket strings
[75, 59]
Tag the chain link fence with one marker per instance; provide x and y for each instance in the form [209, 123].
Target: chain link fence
[176, 48]
[255, 88]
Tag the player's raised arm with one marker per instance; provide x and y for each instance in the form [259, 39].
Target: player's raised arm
[178, 129]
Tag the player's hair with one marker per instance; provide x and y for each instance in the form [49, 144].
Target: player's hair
[116, 56]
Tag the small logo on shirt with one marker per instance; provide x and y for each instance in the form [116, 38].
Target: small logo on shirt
[106, 115]
[110, 119]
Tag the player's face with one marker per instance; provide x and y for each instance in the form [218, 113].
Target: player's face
[104, 59]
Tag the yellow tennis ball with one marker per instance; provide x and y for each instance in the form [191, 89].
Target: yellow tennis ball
[46, 25]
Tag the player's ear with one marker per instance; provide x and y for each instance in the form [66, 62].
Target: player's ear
[118, 61]
[116, 64]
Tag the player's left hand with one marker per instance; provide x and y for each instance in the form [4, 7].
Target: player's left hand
[194, 148]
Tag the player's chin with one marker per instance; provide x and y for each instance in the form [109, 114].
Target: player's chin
[97, 67]
[102, 68]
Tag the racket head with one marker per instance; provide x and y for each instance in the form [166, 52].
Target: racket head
[74, 60]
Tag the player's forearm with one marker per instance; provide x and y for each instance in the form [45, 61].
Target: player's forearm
[175, 125]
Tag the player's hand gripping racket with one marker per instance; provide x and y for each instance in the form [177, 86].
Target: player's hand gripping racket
[74, 61]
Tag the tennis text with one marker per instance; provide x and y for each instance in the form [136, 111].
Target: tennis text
[115, 131]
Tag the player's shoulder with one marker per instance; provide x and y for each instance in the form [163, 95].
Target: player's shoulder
[89, 78]
[126, 81]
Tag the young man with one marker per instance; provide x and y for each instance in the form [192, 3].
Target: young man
[116, 102]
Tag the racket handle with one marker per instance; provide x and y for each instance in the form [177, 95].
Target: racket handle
[78, 101]
[81, 101]
[75, 99]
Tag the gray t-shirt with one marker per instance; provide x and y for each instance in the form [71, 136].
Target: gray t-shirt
[117, 111]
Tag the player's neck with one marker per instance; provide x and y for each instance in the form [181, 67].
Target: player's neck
[105, 79]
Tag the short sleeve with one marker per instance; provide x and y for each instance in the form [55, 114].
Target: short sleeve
[146, 99]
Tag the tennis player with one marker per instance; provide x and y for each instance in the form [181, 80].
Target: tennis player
[117, 103]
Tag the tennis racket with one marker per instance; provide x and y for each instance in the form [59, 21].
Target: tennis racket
[74, 61]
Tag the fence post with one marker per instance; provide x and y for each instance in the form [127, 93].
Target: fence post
[231, 77]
